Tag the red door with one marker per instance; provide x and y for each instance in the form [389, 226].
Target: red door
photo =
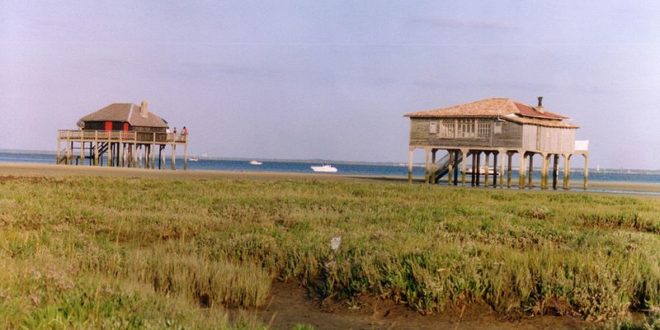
[125, 127]
[108, 126]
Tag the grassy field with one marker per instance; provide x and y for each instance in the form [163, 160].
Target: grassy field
[81, 252]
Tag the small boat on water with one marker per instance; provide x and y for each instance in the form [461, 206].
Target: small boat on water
[255, 162]
[324, 169]
[193, 159]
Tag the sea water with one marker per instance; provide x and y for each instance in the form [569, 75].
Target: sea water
[345, 168]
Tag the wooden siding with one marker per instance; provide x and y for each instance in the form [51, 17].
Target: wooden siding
[529, 137]
[420, 134]
[553, 140]
[118, 126]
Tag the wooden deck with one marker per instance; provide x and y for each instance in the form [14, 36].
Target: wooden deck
[119, 148]
[122, 136]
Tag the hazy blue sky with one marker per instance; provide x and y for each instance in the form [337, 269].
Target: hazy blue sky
[330, 79]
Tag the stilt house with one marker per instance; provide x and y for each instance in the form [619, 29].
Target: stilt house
[498, 127]
[127, 135]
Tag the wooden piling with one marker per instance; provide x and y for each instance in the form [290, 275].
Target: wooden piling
[521, 169]
[530, 176]
[544, 171]
[464, 153]
[450, 168]
[486, 167]
[410, 164]
[555, 170]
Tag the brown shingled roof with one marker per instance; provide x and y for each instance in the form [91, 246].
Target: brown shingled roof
[498, 107]
[125, 112]
[527, 111]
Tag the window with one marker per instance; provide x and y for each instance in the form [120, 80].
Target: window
[483, 129]
[447, 128]
[498, 127]
[465, 128]
[433, 128]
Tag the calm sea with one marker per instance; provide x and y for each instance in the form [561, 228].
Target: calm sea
[345, 168]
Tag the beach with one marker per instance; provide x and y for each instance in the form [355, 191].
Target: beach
[213, 249]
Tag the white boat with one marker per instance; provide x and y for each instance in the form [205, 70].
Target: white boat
[193, 159]
[255, 162]
[324, 169]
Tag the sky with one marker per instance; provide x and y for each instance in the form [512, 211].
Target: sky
[330, 79]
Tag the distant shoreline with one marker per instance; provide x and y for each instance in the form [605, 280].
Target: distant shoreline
[335, 162]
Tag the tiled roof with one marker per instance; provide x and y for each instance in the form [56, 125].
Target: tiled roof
[498, 107]
[125, 112]
[527, 111]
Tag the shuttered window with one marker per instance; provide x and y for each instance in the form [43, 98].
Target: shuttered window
[483, 130]
[433, 128]
[447, 128]
[465, 128]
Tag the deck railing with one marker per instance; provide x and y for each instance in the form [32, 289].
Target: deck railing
[123, 136]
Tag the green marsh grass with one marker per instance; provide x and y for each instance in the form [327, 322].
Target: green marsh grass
[83, 252]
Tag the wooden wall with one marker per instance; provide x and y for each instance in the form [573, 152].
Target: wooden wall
[556, 140]
[118, 126]
[510, 135]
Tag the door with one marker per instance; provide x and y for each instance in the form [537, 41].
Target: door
[108, 126]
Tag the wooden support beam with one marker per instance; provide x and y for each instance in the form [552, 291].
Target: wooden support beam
[427, 165]
[82, 148]
[57, 160]
[432, 176]
[474, 171]
[410, 164]
[450, 168]
[567, 171]
[586, 170]
[509, 169]
[160, 156]
[555, 171]
[456, 167]
[521, 169]
[486, 167]
[173, 156]
[109, 151]
[530, 176]
[96, 148]
[544, 171]
[185, 154]
[478, 167]
[465, 153]
[495, 156]
[502, 154]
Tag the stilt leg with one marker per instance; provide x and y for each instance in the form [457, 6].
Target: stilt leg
[486, 168]
[555, 171]
[586, 170]
[410, 165]
[465, 153]
[450, 168]
[478, 167]
[544, 171]
[432, 173]
[521, 169]
[530, 175]
[509, 169]
[495, 156]
[567, 170]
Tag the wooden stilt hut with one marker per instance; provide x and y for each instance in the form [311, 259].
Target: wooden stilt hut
[121, 135]
[497, 127]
